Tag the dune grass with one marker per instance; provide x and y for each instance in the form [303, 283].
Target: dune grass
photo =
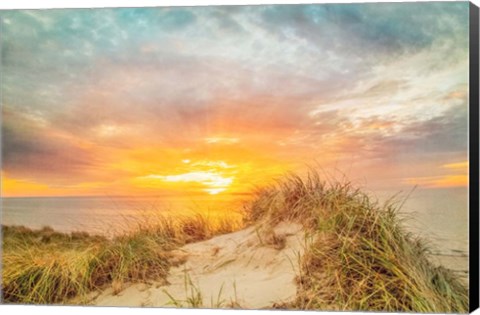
[48, 267]
[360, 257]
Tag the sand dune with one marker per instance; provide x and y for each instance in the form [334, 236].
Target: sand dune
[246, 269]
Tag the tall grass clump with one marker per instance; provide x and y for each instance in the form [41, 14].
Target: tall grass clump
[48, 267]
[360, 256]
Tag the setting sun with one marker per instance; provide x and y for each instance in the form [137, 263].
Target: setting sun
[194, 176]
[213, 181]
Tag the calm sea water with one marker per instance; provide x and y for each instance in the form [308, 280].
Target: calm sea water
[438, 215]
[106, 215]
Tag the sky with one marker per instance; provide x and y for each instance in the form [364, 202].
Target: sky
[220, 100]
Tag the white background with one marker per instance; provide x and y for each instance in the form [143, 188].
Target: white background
[32, 4]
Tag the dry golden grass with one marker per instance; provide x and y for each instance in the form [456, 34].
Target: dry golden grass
[361, 258]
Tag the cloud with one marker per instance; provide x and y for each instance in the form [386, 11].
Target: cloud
[439, 181]
[445, 133]
[457, 166]
[32, 151]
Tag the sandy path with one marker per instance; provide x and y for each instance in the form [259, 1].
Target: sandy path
[236, 269]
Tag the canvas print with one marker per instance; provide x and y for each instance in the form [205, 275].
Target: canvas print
[300, 157]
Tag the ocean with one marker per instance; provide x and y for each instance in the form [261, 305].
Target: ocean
[107, 215]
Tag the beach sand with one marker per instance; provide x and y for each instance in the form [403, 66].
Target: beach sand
[241, 269]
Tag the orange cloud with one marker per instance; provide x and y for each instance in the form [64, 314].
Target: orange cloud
[460, 165]
[13, 187]
[439, 181]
